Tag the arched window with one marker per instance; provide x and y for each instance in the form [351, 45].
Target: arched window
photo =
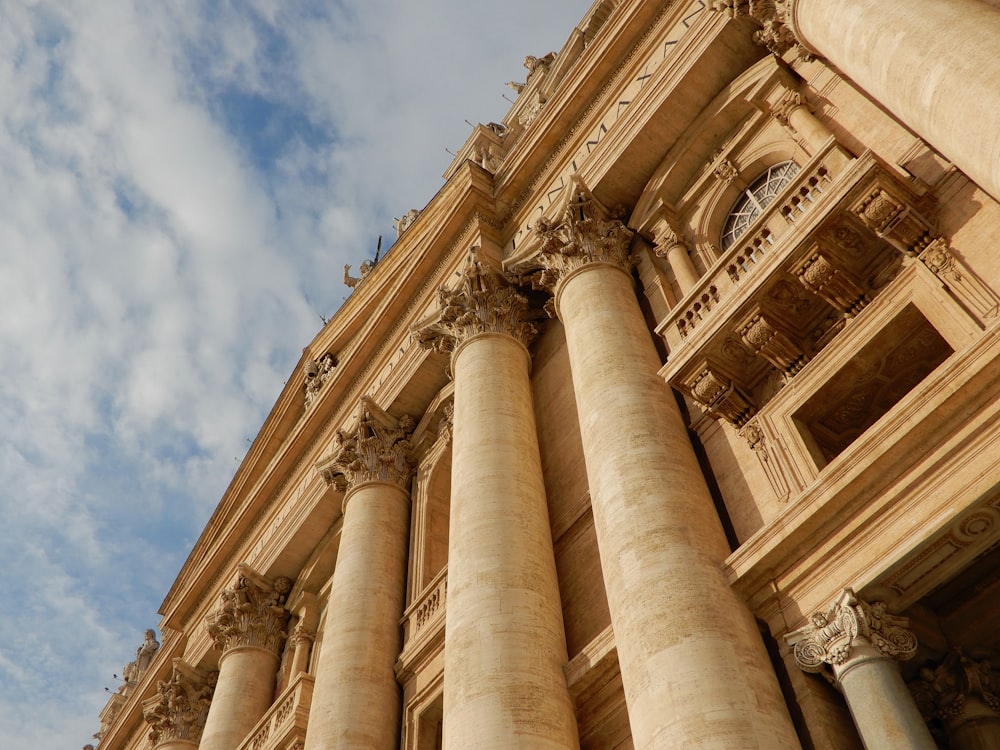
[751, 203]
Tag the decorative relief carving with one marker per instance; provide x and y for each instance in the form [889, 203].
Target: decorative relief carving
[376, 450]
[788, 103]
[766, 336]
[891, 216]
[947, 690]
[180, 706]
[318, 371]
[587, 233]
[967, 289]
[719, 396]
[251, 613]
[485, 301]
[829, 280]
[831, 636]
[726, 171]
[755, 438]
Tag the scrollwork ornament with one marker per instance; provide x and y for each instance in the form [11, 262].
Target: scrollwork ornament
[831, 636]
[774, 16]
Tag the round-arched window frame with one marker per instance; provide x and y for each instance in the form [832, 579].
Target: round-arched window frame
[752, 201]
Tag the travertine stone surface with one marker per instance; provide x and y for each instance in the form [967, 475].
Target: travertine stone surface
[932, 63]
[860, 641]
[693, 665]
[248, 627]
[356, 700]
[242, 695]
[505, 645]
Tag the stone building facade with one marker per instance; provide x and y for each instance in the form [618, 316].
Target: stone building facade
[671, 421]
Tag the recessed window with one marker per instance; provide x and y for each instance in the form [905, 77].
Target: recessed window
[870, 383]
[751, 203]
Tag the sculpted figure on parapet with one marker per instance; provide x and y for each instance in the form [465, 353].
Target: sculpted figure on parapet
[484, 301]
[377, 449]
[251, 613]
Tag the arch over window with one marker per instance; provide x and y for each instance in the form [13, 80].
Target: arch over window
[752, 201]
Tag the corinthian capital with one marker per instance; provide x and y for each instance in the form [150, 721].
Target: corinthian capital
[774, 16]
[377, 449]
[831, 636]
[251, 613]
[483, 302]
[180, 706]
[586, 233]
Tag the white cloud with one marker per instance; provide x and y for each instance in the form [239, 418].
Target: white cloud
[180, 186]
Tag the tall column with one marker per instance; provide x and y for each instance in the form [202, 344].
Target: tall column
[692, 662]
[961, 693]
[248, 628]
[356, 699]
[933, 63]
[505, 643]
[176, 714]
[860, 641]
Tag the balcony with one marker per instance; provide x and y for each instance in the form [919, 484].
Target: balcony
[284, 725]
[423, 625]
[817, 255]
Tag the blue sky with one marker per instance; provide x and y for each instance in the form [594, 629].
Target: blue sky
[180, 187]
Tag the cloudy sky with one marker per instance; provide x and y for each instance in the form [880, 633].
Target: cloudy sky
[180, 186]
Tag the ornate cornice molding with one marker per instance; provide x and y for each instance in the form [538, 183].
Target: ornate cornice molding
[251, 613]
[377, 449]
[485, 301]
[180, 706]
[831, 636]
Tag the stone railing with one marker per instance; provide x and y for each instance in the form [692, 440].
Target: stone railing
[807, 191]
[284, 724]
[427, 611]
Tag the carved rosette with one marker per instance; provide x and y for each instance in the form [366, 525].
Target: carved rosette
[376, 450]
[485, 301]
[587, 233]
[180, 706]
[831, 636]
[251, 613]
[948, 690]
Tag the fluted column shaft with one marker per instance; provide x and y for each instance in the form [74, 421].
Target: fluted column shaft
[932, 63]
[505, 647]
[356, 700]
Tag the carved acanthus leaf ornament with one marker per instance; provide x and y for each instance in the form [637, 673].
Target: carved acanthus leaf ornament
[484, 301]
[775, 18]
[586, 233]
[180, 706]
[946, 690]
[251, 613]
[377, 449]
[831, 636]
